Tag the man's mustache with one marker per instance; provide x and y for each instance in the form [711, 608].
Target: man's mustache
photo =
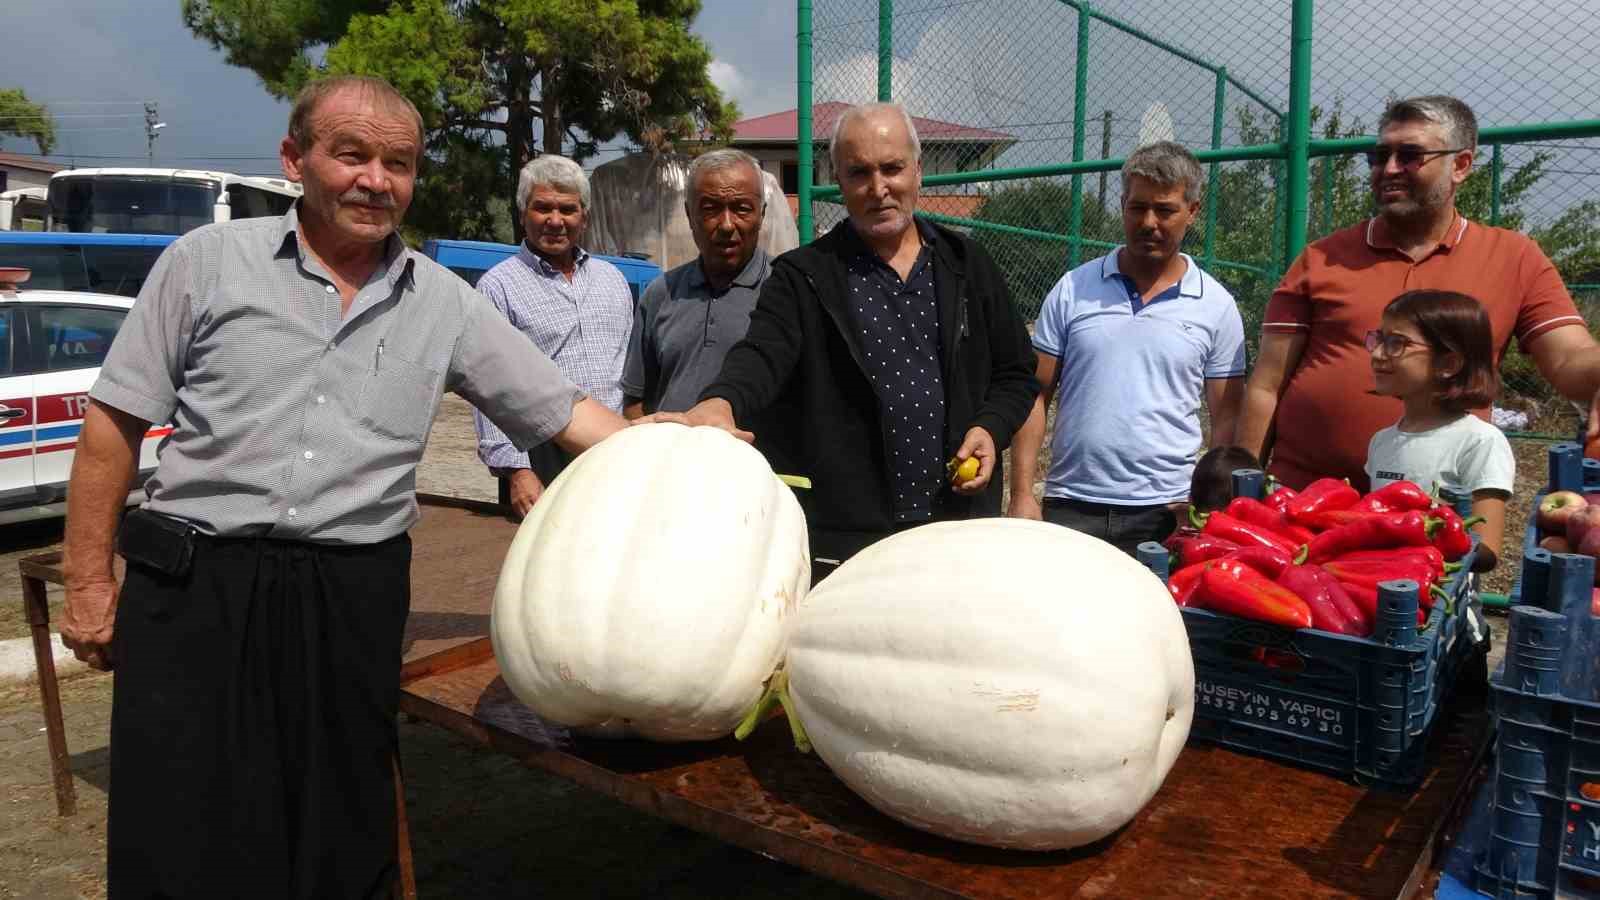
[367, 198]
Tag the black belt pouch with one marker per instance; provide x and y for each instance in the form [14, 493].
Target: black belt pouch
[159, 542]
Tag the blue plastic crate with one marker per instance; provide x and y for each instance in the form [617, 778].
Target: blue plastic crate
[1349, 706]
[1589, 482]
[1530, 542]
[1544, 840]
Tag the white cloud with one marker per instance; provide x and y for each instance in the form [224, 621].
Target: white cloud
[727, 78]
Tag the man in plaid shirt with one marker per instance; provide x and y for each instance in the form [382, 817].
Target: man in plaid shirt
[574, 307]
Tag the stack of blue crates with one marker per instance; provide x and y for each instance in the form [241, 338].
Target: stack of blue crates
[1543, 825]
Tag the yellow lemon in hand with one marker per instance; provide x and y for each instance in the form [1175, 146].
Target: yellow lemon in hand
[967, 470]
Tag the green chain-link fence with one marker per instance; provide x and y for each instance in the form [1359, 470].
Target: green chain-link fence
[1027, 108]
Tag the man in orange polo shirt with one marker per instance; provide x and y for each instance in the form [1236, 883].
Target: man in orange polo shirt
[1309, 398]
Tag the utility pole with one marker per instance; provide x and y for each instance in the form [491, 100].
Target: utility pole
[152, 125]
[1105, 152]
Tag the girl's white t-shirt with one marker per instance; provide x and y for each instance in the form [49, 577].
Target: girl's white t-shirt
[1468, 452]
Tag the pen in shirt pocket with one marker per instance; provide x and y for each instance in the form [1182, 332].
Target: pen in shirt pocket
[377, 362]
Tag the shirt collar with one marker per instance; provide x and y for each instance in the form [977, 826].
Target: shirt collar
[536, 262]
[397, 260]
[751, 276]
[1379, 237]
[1192, 284]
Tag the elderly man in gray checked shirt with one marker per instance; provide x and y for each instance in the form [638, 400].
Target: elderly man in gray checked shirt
[257, 634]
[689, 318]
[575, 308]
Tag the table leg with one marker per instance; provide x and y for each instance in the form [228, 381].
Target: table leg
[36, 607]
[406, 887]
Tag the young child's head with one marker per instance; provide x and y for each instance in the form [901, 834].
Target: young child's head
[1212, 485]
[1436, 345]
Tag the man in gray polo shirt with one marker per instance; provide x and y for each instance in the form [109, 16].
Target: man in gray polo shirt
[1130, 342]
[257, 633]
[689, 317]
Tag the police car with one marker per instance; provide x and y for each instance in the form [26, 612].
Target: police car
[51, 346]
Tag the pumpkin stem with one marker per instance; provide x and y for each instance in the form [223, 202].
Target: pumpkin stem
[776, 693]
[758, 712]
[802, 741]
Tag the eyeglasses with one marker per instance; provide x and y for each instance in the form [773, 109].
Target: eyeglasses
[1409, 156]
[1393, 344]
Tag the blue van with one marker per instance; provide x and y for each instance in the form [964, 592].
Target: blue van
[470, 259]
[70, 261]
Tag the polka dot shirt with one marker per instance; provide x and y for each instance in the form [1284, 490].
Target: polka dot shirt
[899, 324]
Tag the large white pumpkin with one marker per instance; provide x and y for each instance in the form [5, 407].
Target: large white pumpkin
[998, 681]
[651, 589]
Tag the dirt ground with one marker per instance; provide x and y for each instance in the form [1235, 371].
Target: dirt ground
[482, 825]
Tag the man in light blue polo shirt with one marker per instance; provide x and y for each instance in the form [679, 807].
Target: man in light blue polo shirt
[1130, 342]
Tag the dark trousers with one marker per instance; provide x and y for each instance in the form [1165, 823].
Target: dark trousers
[253, 730]
[546, 461]
[1123, 526]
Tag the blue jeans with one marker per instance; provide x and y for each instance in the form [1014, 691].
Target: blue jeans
[1125, 527]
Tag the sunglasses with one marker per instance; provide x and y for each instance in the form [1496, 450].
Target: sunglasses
[1408, 156]
[1393, 344]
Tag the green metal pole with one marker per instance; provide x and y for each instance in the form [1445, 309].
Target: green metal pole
[1219, 102]
[1080, 105]
[1272, 151]
[802, 80]
[1279, 206]
[1299, 136]
[1502, 134]
[885, 50]
[1327, 196]
[1496, 169]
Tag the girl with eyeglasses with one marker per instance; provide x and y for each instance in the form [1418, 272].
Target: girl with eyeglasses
[1434, 353]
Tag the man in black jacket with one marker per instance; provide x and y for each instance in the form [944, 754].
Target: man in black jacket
[877, 354]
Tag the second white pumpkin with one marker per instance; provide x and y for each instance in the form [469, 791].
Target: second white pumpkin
[999, 681]
[651, 588]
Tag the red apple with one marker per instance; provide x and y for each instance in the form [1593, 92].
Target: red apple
[1556, 543]
[1590, 545]
[1580, 523]
[1556, 509]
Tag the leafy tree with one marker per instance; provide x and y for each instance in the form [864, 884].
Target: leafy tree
[24, 119]
[496, 81]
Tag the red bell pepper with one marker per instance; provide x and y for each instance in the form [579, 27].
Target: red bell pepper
[1377, 532]
[1325, 614]
[1398, 496]
[1230, 586]
[1329, 519]
[1220, 524]
[1341, 599]
[1365, 597]
[1269, 561]
[1280, 497]
[1452, 538]
[1375, 572]
[1255, 512]
[1429, 554]
[1182, 583]
[1320, 496]
[1199, 548]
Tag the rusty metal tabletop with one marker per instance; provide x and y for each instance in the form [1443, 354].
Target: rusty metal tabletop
[1223, 825]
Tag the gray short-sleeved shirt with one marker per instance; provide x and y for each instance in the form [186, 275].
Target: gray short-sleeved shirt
[292, 422]
[682, 330]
